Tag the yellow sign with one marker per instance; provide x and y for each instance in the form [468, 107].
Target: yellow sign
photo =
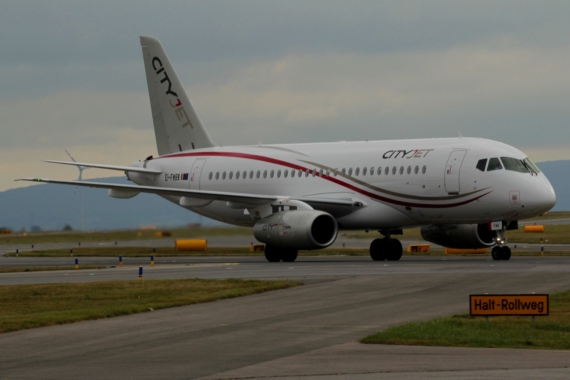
[508, 304]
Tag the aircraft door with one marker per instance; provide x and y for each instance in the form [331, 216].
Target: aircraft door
[452, 171]
[195, 172]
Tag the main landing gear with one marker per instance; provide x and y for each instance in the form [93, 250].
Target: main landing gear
[386, 249]
[275, 254]
[501, 253]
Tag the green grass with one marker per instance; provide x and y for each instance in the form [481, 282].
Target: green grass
[550, 332]
[119, 235]
[30, 306]
[170, 251]
[46, 268]
[237, 251]
[229, 252]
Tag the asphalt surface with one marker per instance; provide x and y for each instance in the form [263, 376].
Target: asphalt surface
[308, 332]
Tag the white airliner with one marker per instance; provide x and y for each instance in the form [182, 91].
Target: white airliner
[463, 192]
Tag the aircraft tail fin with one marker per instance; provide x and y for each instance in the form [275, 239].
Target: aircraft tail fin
[177, 126]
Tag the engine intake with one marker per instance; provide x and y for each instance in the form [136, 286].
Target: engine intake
[299, 229]
[459, 235]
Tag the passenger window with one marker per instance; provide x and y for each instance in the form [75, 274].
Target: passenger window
[335, 172]
[364, 171]
[481, 164]
[401, 170]
[244, 174]
[231, 175]
[272, 173]
[292, 173]
[210, 176]
[258, 174]
[409, 169]
[307, 172]
[251, 174]
[265, 174]
[314, 171]
[328, 172]
[416, 169]
[343, 172]
[371, 171]
[349, 171]
[237, 175]
[357, 171]
[394, 170]
[279, 173]
[387, 170]
[424, 170]
[217, 175]
[379, 170]
[494, 164]
[321, 173]
[224, 175]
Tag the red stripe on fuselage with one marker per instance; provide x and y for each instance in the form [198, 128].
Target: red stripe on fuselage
[329, 178]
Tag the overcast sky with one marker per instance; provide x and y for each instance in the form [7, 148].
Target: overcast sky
[72, 76]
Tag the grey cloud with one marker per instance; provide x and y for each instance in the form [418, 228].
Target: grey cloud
[61, 32]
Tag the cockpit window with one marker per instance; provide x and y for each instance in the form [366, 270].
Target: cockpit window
[531, 165]
[481, 164]
[494, 164]
[514, 165]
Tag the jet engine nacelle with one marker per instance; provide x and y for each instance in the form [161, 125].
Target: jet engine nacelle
[459, 235]
[298, 229]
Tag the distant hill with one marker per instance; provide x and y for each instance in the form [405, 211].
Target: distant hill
[558, 173]
[51, 207]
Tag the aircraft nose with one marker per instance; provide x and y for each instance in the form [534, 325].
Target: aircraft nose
[547, 196]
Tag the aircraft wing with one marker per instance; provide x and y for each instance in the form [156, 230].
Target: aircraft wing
[109, 167]
[250, 199]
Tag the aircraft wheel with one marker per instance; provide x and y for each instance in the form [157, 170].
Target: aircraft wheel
[378, 249]
[497, 253]
[289, 255]
[506, 253]
[395, 251]
[272, 254]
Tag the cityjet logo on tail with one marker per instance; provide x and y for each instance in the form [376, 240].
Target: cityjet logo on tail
[414, 153]
[177, 105]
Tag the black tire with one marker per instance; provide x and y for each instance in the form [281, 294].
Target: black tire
[497, 253]
[378, 249]
[272, 254]
[505, 253]
[289, 255]
[395, 250]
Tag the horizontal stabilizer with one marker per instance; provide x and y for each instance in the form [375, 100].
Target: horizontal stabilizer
[108, 167]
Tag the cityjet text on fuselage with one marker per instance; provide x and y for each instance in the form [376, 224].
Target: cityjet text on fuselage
[412, 153]
[179, 110]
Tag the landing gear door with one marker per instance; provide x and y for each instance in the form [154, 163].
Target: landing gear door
[452, 171]
[195, 172]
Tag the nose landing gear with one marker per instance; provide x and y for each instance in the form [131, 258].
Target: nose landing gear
[500, 251]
